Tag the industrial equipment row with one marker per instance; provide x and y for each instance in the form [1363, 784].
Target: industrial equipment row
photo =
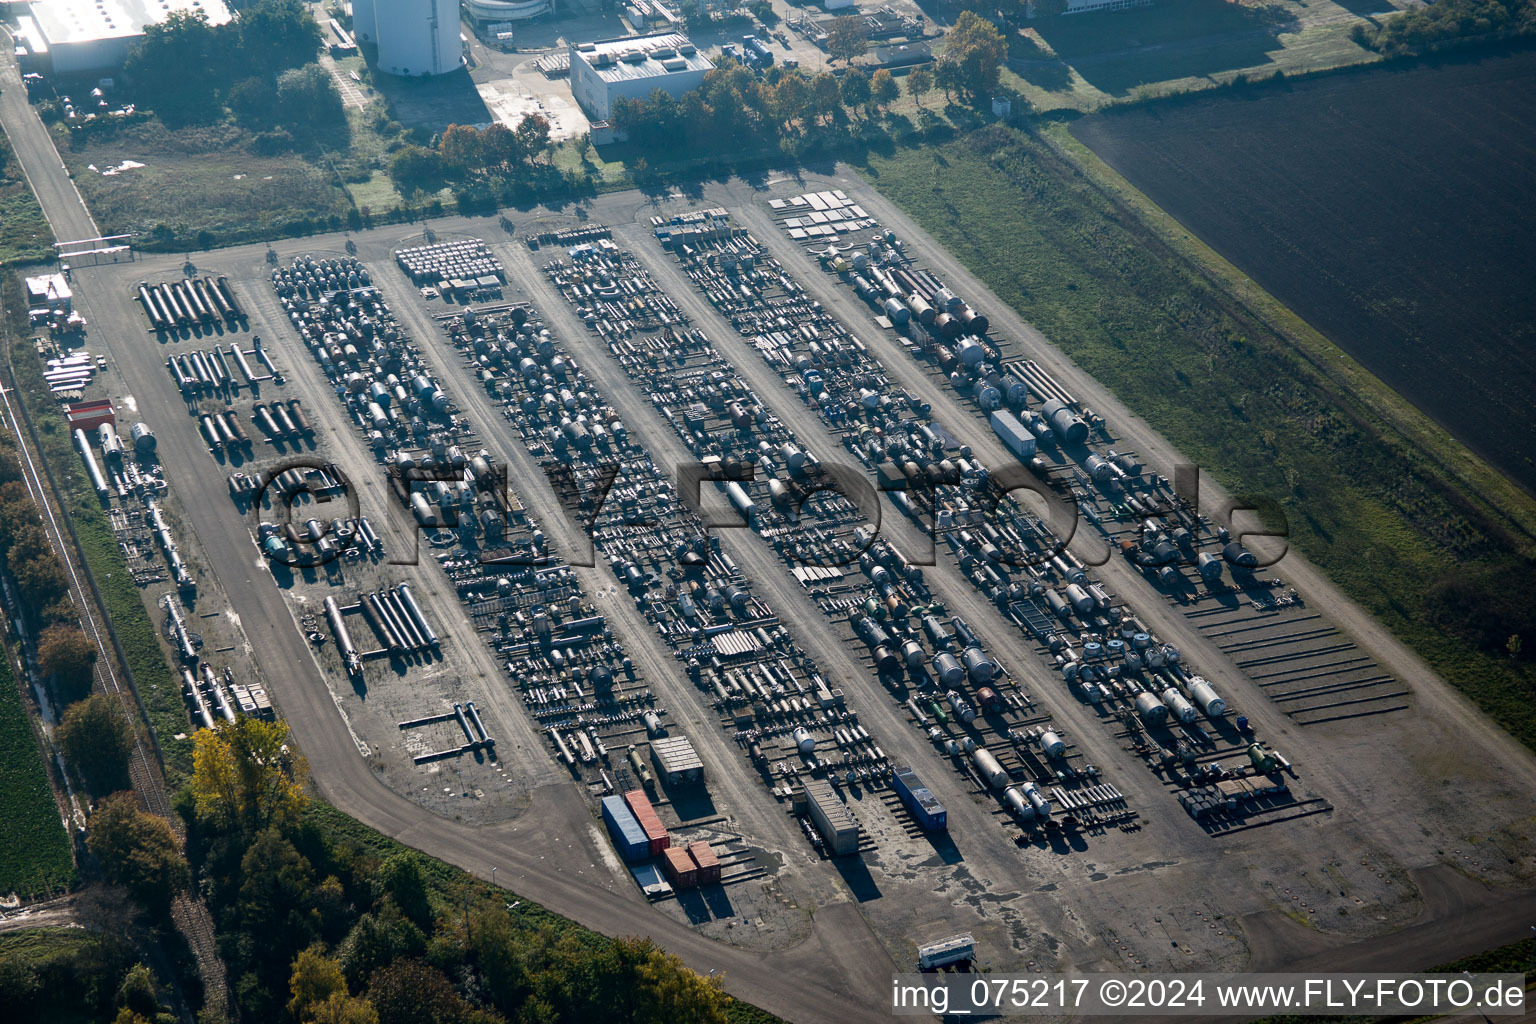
[573, 676]
[206, 372]
[188, 302]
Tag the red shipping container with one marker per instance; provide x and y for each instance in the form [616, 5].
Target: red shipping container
[646, 815]
[679, 868]
[708, 863]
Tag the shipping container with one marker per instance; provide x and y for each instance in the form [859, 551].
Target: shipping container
[706, 861]
[680, 869]
[1013, 434]
[925, 807]
[645, 814]
[832, 818]
[628, 837]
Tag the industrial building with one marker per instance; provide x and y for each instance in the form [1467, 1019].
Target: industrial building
[676, 760]
[414, 37]
[633, 67]
[49, 292]
[490, 15]
[70, 37]
[832, 818]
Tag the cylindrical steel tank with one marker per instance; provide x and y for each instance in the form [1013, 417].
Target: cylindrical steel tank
[1051, 745]
[1151, 710]
[948, 669]
[1206, 698]
[989, 769]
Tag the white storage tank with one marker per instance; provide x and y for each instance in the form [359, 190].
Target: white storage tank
[364, 21]
[1051, 745]
[1206, 699]
[989, 769]
[418, 37]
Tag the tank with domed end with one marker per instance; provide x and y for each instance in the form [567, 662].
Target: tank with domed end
[342, 636]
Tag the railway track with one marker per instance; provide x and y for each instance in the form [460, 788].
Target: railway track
[190, 914]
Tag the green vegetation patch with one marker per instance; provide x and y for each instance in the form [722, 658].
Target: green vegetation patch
[24, 233]
[196, 180]
[35, 857]
[1378, 515]
[158, 691]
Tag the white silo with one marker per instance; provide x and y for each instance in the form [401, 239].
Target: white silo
[417, 37]
[364, 21]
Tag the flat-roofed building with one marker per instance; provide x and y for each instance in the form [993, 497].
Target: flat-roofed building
[79, 37]
[633, 67]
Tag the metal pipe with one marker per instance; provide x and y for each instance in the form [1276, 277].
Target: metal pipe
[398, 608]
[417, 615]
[386, 636]
[98, 481]
[343, 638]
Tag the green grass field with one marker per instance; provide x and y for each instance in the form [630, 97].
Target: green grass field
[1083, 61]
[1378, 514]
[24, 233]
[35, 858]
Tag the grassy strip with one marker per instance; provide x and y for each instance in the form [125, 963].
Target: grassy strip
[1372, 508]
[140, 647]
[35, 858]
[455, 887]
[24, 233]
[1515, 958]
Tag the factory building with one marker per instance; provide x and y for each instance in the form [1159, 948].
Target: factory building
[76, 37]
[414, 37]
[633, 67]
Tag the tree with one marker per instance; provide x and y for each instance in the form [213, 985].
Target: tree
[245, 778]
[253, 101]
[791, 99]
[379, 939]
[883, 90]
[315, 978]
[64, 653]
[533, 136]
[416, 167]
[412, 992]
[307, 98]
[826, 97]
[177, 66]
[947, 74]
[847, 38]
[855, 88]
[460, 148]
[645, 983]
[978, 51]
[500, 146]
[137, 851]
[340, 1008]
[96, 741]
[275, 35]
[919, 82]
[137, 992]
[36, 568]
[401, 879]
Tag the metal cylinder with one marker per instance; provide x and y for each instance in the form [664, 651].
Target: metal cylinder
[988, 767]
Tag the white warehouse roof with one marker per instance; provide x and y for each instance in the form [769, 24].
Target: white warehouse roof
[64, 22]
[636, 58]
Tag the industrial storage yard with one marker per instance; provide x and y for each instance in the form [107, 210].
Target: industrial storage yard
[734, 568]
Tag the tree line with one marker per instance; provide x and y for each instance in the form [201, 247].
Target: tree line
[1448, 22]
[261, 66]
[316, 928]
[736, 110]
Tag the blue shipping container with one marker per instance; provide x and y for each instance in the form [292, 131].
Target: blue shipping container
[1013, 434]
[627, 834]
[925, 807]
